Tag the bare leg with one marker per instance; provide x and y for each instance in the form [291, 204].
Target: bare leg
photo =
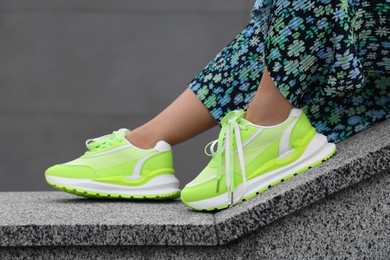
[187, 117]
[268, 107]
[183, 119]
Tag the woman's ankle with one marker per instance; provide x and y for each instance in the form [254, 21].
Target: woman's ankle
[268, 118]
[141, 139]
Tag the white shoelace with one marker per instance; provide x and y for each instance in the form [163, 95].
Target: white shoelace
[231, 128]
[95, 142]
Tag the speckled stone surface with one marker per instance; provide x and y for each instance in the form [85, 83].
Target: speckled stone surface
[57, 218]
[350, 224]
[46, 219]
[357, 158]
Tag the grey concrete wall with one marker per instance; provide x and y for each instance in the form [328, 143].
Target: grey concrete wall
[72, 70]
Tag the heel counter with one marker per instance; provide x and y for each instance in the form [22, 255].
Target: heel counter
[160, 163]
[301, 128]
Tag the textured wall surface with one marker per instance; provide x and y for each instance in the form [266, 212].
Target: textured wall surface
[72, 70]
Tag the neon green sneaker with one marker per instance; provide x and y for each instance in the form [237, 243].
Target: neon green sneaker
[115, 168]
[249, 159]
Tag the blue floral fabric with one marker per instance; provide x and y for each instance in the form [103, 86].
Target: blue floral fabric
[329, 57]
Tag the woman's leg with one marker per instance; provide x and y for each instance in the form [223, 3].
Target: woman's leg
[174, 125]
[183, 119]
[268, 107]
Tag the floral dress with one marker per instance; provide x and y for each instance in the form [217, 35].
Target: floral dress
[329, 57]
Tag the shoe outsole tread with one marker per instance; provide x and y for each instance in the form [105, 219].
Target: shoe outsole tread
[97, 195]
[266, 188]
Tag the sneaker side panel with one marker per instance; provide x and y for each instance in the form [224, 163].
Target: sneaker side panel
[160, 162]
[301, 128]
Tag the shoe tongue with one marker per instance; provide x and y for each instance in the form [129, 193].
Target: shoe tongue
[123, 132]
[93, 143]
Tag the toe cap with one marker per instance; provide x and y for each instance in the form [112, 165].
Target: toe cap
[203, 191]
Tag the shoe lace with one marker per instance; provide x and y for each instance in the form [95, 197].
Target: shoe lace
[102, 142]
[231, 127]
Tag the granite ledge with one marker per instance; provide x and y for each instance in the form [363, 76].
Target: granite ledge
[60, 219]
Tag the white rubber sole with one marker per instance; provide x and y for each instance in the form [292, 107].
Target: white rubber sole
[160, 185]
[317, 150]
